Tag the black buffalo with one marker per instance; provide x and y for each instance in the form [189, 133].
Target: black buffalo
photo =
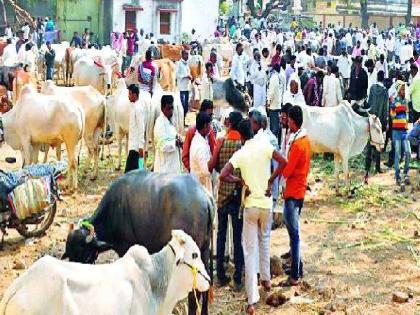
[143, 208]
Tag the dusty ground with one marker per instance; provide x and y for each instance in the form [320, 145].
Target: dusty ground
[356, 252]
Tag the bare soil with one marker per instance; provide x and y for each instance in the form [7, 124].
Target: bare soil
[357, 252]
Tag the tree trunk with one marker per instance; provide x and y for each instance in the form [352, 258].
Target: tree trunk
[273, 4]
[409, 9]
[364, 13]
[3, 18]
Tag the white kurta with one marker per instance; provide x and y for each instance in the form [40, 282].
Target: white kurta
[259, 80]
[199, 157]
[332, 95]
[167, 156]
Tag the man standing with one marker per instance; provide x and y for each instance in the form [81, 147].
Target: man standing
[332, 95]
[313, 90]
[371, 73]
[228, 203]
[147, 73]
[49, 61]
[167, 141]
[295, 173]
[76, 41]
[206, 107]
[238, 70]
[200, 154]
[183, 77]
[344, 68]
[358, 83]
[378, 104]
[26, 30]
[254, 162]
[258, 78]
[399, 113]
[276, 91]
[136, 131]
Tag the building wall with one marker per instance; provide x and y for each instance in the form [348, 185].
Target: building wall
[382, 21]
[202, 15]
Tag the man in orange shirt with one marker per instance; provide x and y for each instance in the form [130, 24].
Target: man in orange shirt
[296, 173]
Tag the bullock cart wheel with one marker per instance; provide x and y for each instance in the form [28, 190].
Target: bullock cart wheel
[36, 226]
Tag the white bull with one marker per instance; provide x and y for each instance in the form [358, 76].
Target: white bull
[118, 113]
[60, 57]
[339, 130]
[37, 119]
[93, 104]
[137, 283]
[89, 72]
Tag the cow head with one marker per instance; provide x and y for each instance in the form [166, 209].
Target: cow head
[376, 135]
[83, 246]
[189, 271]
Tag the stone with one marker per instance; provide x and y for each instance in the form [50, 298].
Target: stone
[400, 297]
[18, 265]
[275, 266]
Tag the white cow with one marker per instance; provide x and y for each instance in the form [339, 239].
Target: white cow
[60, 57]
[339, 130]
[137, 283]
[37, 119]
[93, 104]
[118, 113]
[89, 72]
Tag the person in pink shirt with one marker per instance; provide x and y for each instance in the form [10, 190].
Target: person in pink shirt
[277, 56]
[147, 73]
[357, 51]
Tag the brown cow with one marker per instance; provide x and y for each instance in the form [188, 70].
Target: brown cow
[166, 69]
[172, 52]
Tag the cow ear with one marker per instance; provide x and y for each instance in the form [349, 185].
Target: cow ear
[179, 235]
[101, 246]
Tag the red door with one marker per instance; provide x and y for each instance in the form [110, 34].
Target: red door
[130, 20]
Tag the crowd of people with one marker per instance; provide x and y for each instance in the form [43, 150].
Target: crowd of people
[267, 154]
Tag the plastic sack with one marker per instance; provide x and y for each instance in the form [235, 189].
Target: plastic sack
[31, 197]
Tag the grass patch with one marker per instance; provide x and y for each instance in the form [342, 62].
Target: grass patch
[323, 167]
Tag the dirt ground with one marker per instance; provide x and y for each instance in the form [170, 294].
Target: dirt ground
[357, 252]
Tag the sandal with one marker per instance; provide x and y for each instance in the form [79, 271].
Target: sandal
[289, 282]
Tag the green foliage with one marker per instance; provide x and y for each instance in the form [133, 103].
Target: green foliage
[185, 38]
[224, 8]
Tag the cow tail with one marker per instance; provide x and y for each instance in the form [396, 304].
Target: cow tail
[211, 210]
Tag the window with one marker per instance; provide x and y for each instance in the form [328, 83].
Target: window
[165, 23]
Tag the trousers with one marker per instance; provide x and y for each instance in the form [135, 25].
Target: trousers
[256, 242]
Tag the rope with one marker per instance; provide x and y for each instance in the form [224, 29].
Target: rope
[194, 271]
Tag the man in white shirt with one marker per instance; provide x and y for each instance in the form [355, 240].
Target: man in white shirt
[371, 73]
[276, 90]
[344, 67]
[200, 154]
[390, 46]
[166, 140]
[10, 57]
[239, 70]
[136, 131]
[331, 95]
[26, 30]
[406, 52]
[254, 162]
[258, 78]
[183, 78]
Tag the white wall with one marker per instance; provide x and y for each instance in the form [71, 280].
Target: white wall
[201, 15]
[143, 18]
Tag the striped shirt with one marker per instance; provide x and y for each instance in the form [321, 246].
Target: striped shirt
[399, 113]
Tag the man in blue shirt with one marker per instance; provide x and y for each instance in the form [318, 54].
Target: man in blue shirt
[76, 41]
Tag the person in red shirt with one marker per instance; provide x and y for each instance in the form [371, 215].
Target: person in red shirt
[206, 106]
[295, 173]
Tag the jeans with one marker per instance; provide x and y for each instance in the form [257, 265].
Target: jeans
[256, 243]
[50, 72]
[232, 209]
[371, 152]
[185, 97]
[400, 141]
[291, 214]
[275, 122]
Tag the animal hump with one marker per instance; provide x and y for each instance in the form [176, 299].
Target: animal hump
[140, 255]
